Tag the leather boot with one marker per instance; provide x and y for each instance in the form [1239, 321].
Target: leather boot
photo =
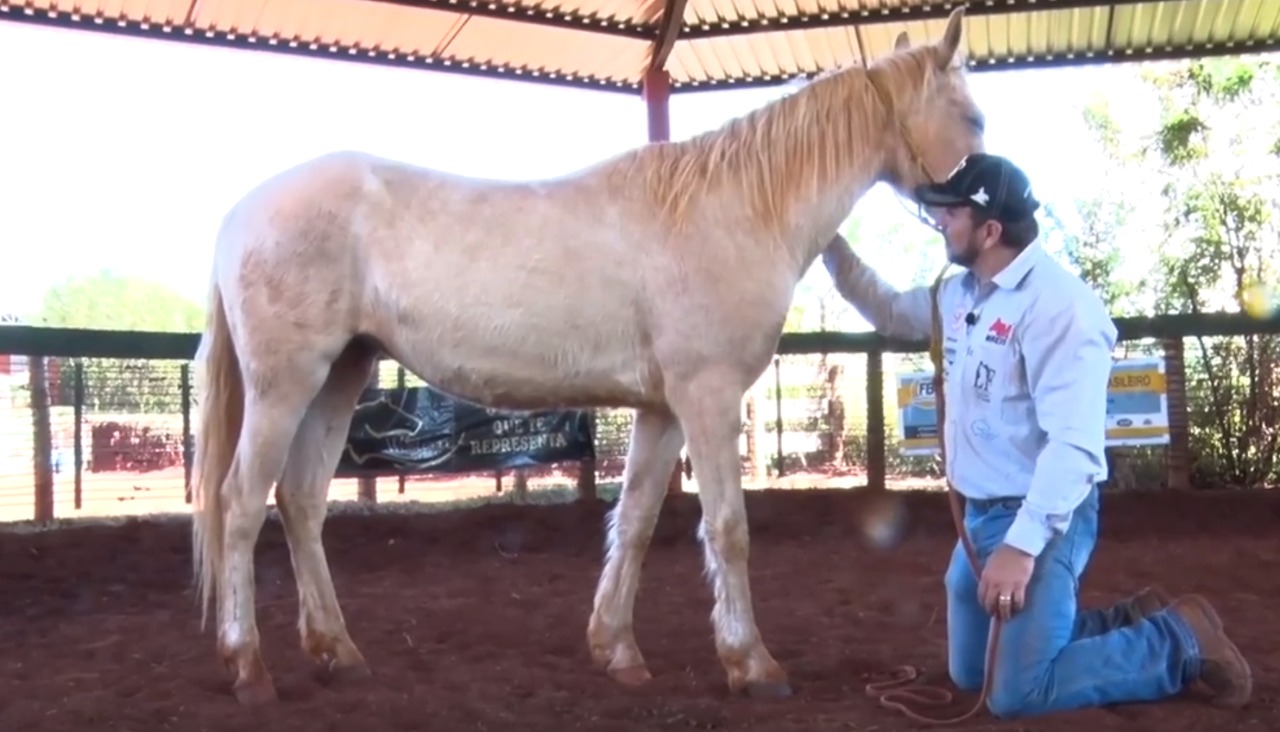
[1223, 668]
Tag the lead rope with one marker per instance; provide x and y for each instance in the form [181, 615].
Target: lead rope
[890, 693]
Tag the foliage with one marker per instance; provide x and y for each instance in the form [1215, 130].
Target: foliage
[110, 301]
[1096, 245]
[1215, 159]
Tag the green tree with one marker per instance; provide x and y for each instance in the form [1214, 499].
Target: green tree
[1097, 245]
[110, 301]
[1216, 153]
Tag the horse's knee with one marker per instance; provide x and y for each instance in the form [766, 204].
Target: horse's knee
[726, 535]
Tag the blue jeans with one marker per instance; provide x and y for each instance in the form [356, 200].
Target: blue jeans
[1052, 656]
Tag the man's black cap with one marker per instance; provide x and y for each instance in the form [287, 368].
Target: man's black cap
[988, 183]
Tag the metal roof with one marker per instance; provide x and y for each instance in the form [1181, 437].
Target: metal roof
[609, 44]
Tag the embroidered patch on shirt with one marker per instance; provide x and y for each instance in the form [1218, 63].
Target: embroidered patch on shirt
[999, 332]
[983, 376]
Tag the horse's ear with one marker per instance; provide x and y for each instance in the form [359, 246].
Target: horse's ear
[949, 48]
[902, 42]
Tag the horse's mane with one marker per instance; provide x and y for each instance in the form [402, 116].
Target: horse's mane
[786, 151]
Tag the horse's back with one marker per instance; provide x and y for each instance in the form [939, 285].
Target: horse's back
[496, 290]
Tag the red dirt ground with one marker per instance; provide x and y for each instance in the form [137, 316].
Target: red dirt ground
[98, 628]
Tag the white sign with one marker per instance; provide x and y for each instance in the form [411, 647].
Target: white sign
[1137, 407]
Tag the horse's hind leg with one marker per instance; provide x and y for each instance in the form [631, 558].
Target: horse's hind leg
[708, 406]
[302, 498]
[276, 396]
[655, 444]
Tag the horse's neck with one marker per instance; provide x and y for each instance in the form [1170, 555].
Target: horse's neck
[861, 139]
[819, 220]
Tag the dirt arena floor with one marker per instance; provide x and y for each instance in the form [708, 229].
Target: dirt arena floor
[98, 629]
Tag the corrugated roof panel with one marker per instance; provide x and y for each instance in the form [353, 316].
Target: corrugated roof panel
[241, 16]
[776, 56]
[1039, 36]
[697, 60]
[731, 12]
[878, 38]
[1130, 27]
[1245, 18]
[1267, 22]
[165, 11]
[289, 20]
[728, 52]
[1268, 28]
[550, 50]
[631, 11]
[381, 26]
[1198, 24]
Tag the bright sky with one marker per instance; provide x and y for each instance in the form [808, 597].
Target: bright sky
[124, 154]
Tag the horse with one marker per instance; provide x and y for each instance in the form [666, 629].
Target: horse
[682, 258]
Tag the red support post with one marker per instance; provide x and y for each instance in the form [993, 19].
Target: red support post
[656, 91]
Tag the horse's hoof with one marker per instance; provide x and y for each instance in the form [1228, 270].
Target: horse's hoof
[768, 689]
[631, 675]
[334, 673]
[255, 693]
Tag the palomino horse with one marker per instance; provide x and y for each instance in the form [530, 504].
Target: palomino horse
[681, 258]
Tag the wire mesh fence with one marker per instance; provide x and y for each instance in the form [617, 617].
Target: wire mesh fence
[121, 434]
[117, 435]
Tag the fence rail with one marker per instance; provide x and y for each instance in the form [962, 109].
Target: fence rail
[115, 430]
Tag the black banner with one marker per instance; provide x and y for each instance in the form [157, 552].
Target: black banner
[420, 430]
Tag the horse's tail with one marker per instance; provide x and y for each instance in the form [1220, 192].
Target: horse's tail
[218, 430]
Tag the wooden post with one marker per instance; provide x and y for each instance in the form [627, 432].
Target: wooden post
[367, 486]
[587, 468]
[41, 440]
[520, 487]
[877, 470]
[77, 435]
[777, 419]
[1178, 463]
[400, 379]
[756, 431]
[587, 481]
[835, 413]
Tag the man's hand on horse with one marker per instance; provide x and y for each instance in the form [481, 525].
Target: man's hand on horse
[1002, 589]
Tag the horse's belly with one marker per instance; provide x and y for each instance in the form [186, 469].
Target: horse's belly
[555, 359]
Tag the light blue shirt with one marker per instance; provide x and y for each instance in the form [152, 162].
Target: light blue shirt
[1026, 363]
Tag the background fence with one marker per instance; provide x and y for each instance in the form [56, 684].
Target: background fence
[117, 432]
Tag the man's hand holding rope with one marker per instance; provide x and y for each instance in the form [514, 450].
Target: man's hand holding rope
[1002, 589]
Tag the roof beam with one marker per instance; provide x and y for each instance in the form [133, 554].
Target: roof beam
[900, 14]
[668, 31]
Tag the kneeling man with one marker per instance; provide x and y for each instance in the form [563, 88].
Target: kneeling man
[1026, 362]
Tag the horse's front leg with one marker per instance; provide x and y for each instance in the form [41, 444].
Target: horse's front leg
[708, 408]
[655, 444]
